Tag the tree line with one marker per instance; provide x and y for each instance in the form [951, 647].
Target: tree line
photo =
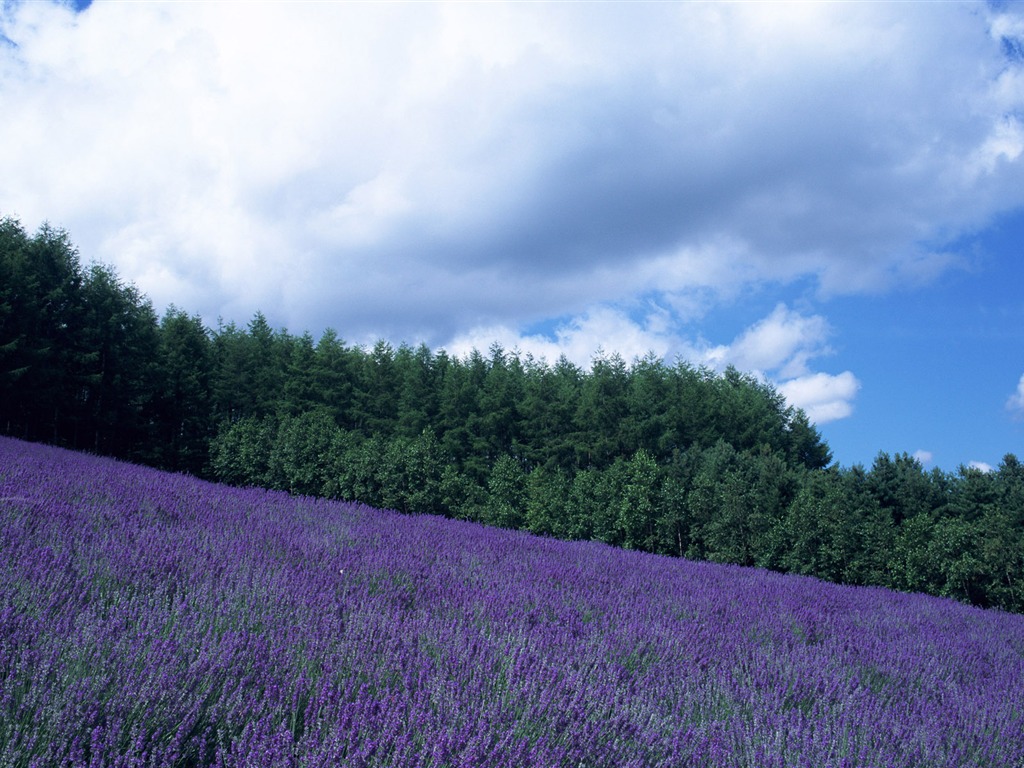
[673, 459]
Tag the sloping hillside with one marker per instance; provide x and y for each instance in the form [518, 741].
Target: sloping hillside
[149, 619]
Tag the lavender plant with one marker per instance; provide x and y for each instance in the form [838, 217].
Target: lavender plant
[149, 619]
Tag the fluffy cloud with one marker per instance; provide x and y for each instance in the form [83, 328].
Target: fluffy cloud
[778, 348]
[981, 466]
[1015, 403]
[582, 338]
[783, 342]
[823, 396]
[923, 456]
[419, 171]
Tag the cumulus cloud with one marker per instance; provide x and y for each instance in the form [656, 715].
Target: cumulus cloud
[421, 171]
[581, 339]
[778, 348]
[1015, 403]
[825, 397]
[923, 456]
[981, 466]
[783, 342]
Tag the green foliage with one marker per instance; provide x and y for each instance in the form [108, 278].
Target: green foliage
[305, 453]
[240, 452]
[911, 567]
[546, 502]
[461, 497]
[873, 529]
[183, 397]
[507, 494]
[595, 500]
[735, 501]
[120, 330]
[819, 529]
[581, 505]
[902, 488]
[638, 502]
[413, 474]
[602, 408]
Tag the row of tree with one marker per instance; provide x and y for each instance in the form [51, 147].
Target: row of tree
[664, 458]
[85, 362]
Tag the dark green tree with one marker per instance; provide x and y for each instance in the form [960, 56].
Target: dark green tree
[412, 475]
[601, 413]
[333, 375]
[46, 363]
[184, 401]
[240, 453]
[804, 446]
[120, 401]
[1009, 483]
[418, 390]
[266, 361]
[300, 393]
[586, 496]
[903, 488]
[376, 391]
[874, 530]
[647, 424]
[18, 308]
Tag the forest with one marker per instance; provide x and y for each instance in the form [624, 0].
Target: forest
[646, 455]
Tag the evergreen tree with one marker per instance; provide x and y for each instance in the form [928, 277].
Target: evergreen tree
[332, 378]
[647, 426]
[52, 369]
[602, 410]
[266, 361]
[496, 410]
[184, 403]
[903, 488]
[18, 308]
[376, 392]
[300, 393]
[121, 332]
[418, 390]
[230, 375]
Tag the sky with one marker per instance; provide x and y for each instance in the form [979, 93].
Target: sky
[829, 196]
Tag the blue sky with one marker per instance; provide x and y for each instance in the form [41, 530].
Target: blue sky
[830, 196]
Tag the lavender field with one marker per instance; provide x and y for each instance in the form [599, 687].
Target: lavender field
[149, 619]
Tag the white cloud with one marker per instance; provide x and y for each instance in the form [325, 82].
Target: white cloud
[778, 348]
[418, 170]
[981, 466]
[1015, 403]
[923, 456]
[581, 339]
[824, 397]
[782, 342]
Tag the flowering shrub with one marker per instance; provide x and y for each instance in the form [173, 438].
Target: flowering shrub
[149, 619]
